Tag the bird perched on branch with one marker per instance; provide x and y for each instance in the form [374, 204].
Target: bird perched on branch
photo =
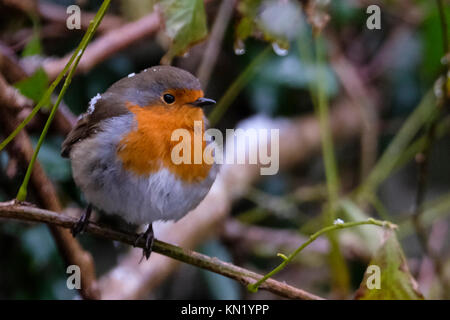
[121, 149]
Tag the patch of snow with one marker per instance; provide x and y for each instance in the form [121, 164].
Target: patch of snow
[93, 102]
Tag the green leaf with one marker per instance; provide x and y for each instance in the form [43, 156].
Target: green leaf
[396, 282]
[33, 47]
[185, 25]
[34, 86]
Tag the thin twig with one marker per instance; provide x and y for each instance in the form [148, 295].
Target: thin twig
[214, 43]
[364, 100]
[13, 210]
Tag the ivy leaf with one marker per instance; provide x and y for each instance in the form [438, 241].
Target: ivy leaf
[396, 282]
[185, 24]
[33, 46]
[34, 86]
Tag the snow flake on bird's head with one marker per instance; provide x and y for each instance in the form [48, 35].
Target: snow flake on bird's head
[93, 102]
[131, 75]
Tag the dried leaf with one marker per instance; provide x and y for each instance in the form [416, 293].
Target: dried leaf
[396, 282]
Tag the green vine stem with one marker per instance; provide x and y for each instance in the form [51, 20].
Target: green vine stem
[75, 59]
[321, 106]
[337, 225]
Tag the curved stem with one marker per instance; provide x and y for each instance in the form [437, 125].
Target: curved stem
[254, 287]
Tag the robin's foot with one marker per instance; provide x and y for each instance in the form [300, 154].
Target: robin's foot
[81, 225]
[148, 236]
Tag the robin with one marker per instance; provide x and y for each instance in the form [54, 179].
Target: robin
[120, 150]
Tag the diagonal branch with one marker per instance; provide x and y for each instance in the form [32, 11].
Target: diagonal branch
[107, 45]
[13, 210]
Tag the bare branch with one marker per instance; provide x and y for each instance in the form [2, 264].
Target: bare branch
[11, 98]
[214, 42]
[12, 210]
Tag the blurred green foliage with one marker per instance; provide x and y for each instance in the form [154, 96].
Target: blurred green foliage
[34, 86]
[279, 86]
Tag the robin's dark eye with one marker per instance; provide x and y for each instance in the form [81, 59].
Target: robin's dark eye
[168, 98]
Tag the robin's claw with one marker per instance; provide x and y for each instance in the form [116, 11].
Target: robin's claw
[148, 237]
[81, 225]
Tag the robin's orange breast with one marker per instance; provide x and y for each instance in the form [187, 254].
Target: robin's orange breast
[148, 148]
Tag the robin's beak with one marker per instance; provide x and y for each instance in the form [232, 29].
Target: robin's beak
[203, 102]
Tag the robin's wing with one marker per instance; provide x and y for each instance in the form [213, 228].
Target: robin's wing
[106, 107]
[78, 133]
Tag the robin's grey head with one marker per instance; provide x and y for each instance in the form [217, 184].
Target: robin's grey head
[160, 85]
